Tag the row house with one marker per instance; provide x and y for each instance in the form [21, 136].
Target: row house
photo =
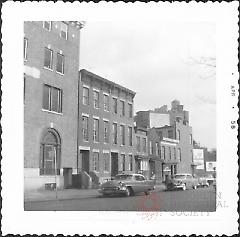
[106, 127]
[51, 61]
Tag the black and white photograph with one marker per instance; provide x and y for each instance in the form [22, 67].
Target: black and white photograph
[98, 132]
[124, 116]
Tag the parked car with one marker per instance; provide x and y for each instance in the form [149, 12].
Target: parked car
[182, 181]
[203, 182]
[210, 178]
[127, 184]
[214, 184]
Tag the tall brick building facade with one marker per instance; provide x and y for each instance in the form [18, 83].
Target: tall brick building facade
[51, 61]
[106, 128]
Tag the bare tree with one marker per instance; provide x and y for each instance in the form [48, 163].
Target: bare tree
[206, 61]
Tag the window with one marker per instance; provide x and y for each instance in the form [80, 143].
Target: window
[170, 153]
[50, 153]
[174, 153]
[163, 153]
[157, 148]
[52, 99]
[96, 99]
[114, 105]
[130, 136]
[179, 154]
[25, 47]
[60, 63]
[130, 110]
[122, 162]
[48, 58]
[85, 96]
[122, 134]
[47, 25]
[106, 103]
[144, 165]
[85, 128]
[151, 148]
[106, 158]
[122, 108]
[114, 131]
[144, 140]
[138, 144]
[190, 137]
[106, 131]
[179, 134]
[170, 133]
[63, 31]
[96, 161]
[130, 162]
[160, 135]
[139, 178]
[95, 130]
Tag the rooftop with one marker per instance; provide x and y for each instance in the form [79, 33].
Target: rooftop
[113, 84]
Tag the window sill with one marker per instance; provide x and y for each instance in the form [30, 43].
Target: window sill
[49, 69]
[85, 141]
[59, 73]
[96, 142]
[106, 172]
[52, 112]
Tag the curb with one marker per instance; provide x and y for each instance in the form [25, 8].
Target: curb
[87, 193]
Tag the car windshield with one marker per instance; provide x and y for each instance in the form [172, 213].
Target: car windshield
[179, 176]
[122, 177]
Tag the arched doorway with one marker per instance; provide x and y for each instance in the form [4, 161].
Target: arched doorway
[50, 153]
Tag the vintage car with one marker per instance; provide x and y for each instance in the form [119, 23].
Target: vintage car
[182, 181]
[214, 184]
[203, 182]
[210, 178]
[126, 184]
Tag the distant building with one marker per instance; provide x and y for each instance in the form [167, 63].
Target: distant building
[142, 160]
[106, 128]
[51, 61]
[174, 133]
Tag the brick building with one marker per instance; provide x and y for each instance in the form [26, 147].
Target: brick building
[164, 153]
[51, 62]
[142, 160]
[106, 127]
[170, 131]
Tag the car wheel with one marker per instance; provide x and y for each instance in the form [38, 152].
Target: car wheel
[194, 187]
[147, 192]
[184, 187]
[128, 192]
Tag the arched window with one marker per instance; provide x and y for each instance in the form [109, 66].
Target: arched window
[50, 153]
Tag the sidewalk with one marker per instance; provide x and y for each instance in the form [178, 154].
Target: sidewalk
[68, 194]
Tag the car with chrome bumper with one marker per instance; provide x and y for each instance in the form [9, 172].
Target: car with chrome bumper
[182, 181]
[127, 185]
[203, 182]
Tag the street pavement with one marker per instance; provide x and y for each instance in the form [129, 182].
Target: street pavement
[202, 199]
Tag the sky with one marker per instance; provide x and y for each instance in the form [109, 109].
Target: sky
[157, 60]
